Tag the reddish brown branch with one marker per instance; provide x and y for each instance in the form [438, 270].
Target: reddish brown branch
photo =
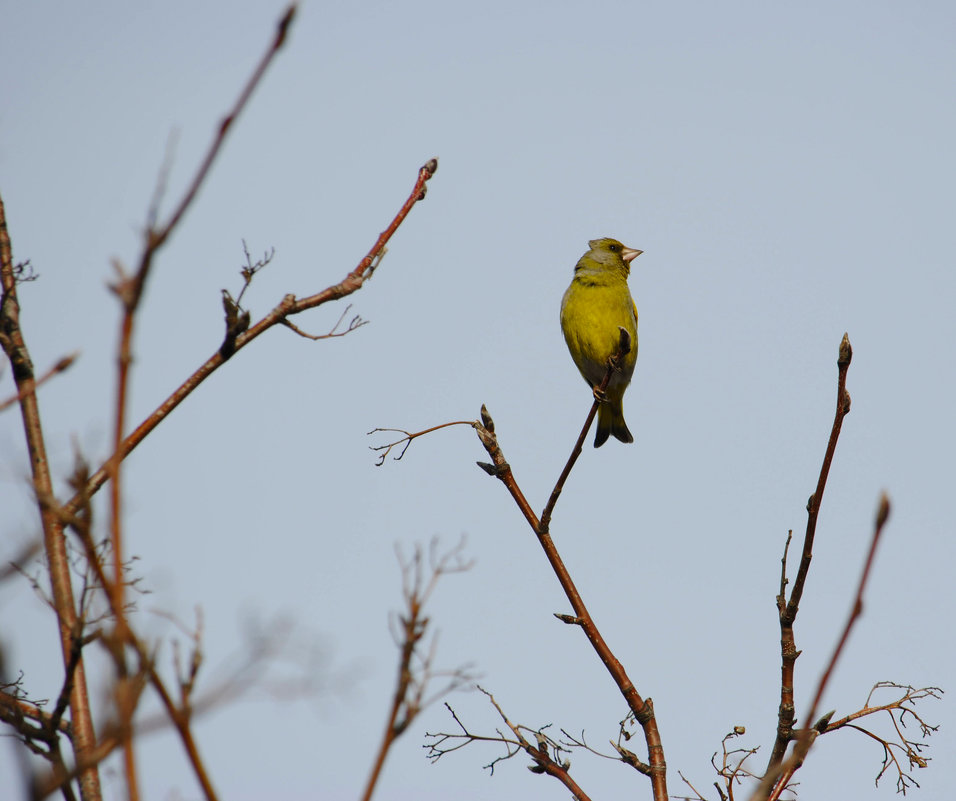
[788, 608]
[642, 709]
[130, 291]
[882, 514]
[288, 306]
[813, 505]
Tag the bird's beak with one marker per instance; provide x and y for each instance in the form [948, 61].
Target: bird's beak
[629, 254]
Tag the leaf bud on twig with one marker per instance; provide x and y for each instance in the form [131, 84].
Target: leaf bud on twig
[846, 352]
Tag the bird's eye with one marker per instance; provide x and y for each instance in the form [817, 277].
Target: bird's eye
[615, 248]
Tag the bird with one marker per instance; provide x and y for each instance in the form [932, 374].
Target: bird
[595, 306]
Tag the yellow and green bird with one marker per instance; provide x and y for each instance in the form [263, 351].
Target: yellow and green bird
[594, 306]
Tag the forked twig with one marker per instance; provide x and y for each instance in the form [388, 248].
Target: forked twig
[787, 608]
[355, 322]
[909, 749]
[388, 447]
[415, 670]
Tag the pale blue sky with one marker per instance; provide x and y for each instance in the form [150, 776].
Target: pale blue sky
[788, 171]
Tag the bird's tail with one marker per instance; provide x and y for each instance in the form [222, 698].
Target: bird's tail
[611, 421]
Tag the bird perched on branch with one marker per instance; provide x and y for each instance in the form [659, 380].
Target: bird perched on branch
[593, 309]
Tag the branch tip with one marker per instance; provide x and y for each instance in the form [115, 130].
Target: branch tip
[66, 362]
[283, 28]
[883, 511]
[846, 351]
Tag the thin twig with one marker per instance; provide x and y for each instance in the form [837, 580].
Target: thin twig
[278, 40]
[624, 347]
[61, 365]
[387, 448]
[882, 514]
[355, 322]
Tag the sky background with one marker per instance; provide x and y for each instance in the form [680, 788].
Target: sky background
[788, 171]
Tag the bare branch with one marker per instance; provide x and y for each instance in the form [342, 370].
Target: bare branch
[787, 608]
[415, 669]
[642, 709]
[898, 710]
[288, 306]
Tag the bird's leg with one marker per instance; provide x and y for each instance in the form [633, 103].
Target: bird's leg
[613, 363]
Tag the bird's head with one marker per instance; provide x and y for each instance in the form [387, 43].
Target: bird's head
[610, 253]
